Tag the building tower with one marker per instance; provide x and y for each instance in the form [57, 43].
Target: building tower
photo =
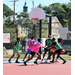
[25, 7]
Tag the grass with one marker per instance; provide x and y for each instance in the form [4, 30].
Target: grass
[66, 58]
[22, 56]
[9, 55]
[9, 49]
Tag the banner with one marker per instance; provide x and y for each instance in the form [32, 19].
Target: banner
[6, 37]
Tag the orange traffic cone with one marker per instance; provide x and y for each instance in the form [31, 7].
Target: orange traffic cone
[6, 53]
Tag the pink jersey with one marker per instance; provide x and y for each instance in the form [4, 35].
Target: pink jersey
[36, 47]
[54, 49]
[59, 43]
[30, 42]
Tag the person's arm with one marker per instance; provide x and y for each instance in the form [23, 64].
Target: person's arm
[15, 45]
[43, 46]
[31, 45]
[46, 43]
[52, 44]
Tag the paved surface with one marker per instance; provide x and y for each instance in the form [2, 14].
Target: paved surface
[5, 61]
[32, 69]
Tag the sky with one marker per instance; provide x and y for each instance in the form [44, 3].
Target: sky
[19, 4]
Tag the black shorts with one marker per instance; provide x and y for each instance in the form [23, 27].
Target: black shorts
[45, 50]
[58, 51]
[32, 53]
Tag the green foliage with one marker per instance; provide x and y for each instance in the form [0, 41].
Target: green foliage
[9, 22]
[24, 15]
[7, 11]
[61, 11]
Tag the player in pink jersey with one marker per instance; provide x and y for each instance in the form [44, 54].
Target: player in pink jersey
[34, 51]
[30, 46]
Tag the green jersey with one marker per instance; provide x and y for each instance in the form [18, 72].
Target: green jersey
[57, 46]
[17, 45]
[49, 42]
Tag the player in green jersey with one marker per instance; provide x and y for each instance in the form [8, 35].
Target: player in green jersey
[47, 43]
[58, 50]
[16, 49]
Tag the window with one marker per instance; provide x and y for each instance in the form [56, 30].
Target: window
[54, 30]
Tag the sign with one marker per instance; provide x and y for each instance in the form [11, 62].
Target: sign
[63, 32]
[56, 37]
[6, 37]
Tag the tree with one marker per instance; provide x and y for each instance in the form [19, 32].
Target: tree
[7, 11]
[24, 15]
[61, 11]
[67, 15]
[40, 6]
[9, 22]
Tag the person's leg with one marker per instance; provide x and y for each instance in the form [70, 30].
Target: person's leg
[28, 60]
[38, 56]
[18, 57]
[64, 61]
[56, 60]
[60, 57]
[32, 53]
[29, 55]
[59, 52]
[45, 51]
[53, 56]
[28, 51]
[25, 56]
[50, 55]
[11, 57]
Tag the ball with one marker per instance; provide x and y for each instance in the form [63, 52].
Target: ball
[62, 51]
